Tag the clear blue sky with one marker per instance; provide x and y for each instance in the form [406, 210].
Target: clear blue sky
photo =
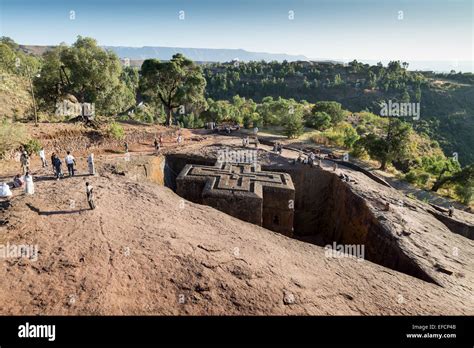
[337, 29]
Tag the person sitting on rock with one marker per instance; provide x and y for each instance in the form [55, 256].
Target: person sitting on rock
[18, 181]
[5, 190]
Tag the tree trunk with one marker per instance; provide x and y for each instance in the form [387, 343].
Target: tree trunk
[169, 117]
[437, 185]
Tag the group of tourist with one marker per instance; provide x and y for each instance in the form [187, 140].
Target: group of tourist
[26, 179]
[310, 159]
[246, 141]
[70, 161]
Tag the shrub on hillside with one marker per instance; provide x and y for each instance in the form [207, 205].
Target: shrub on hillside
[32, 146]
[116, 131]
[293, 125]
[12, 136]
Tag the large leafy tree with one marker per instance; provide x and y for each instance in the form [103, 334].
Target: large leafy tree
[463, 176]
[14, 60]
[331, 108]
[175, 83]
[89, 73]
[394, 145]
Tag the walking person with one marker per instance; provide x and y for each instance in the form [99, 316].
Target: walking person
[42, 155]
[25, 162]
[52, 159]
[57, 166]
[90, 195]
[90, 164]
[70, 162]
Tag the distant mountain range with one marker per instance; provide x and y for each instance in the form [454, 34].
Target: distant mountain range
[137, 55]
[200, 54]
[196, 54]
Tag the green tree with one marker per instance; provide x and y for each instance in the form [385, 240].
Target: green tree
[174, 83]
[393, 146]
[92, 75]
[461, 177]
[332, 108]
[320, 120]
[292, 122]
[350, 136]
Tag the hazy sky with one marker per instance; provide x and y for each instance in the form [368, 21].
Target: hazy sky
[337, 29]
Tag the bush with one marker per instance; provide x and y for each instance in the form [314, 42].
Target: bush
[32, 146]
[465, 192]
[358, 150]
[350, 136]
[417, 177]
[292, 125]
[319, 120]
[333, 109]
[116, 131]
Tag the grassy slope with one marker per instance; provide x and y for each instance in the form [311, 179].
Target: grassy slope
[15, 98]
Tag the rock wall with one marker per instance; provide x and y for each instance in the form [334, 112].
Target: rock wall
[327, 210]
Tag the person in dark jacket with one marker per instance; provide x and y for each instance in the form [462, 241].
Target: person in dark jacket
[57, 166]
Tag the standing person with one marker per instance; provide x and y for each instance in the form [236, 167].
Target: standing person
[90, 164]
[29, 185]
[43, 157]
[161, 139]
[57, 166]
[52, 159]
[451, 210]
[126, 147]
[156, 144]
[70, 162]
[25, 162]
[90, 195]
